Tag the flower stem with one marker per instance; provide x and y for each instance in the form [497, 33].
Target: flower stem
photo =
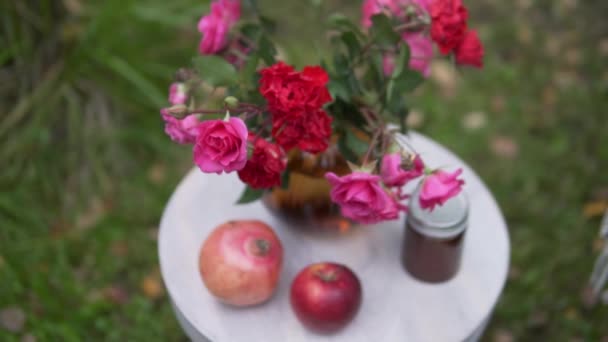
[372, 144]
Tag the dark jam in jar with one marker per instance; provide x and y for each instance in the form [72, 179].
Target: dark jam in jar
[433, 240]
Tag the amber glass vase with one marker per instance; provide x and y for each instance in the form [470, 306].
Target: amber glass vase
[305, 201]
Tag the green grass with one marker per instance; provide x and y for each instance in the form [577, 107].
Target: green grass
[87, 170]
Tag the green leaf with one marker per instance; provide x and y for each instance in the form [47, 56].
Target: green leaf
[285, 179]
[402, 118]
[346, 152]
[268, 24]
[267, 50]
[345, 113]
[342, 23]
[354, 143]
[409, 80]
[374, 73]
[352, 43]
[382, 31]
[341, 64]
[402, 61]
[395, 94]
[251, 31]
[215, 70]
[338, 87]
[249, 195]
[250, 68]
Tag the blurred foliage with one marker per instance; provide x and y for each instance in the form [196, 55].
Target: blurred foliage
[86, 169]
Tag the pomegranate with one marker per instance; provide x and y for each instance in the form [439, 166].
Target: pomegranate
[240, 262]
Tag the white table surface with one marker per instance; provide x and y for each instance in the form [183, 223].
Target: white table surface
[395, 306]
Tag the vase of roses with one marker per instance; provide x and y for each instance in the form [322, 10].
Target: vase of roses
[323, 144]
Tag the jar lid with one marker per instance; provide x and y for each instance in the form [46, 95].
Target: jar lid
[444, 221]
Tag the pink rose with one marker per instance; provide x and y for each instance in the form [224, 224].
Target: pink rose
[393, 173]
[177, 93]
[439, 187]
[221, 146]
[371, 7]
[390, 7]
[421, 54]
[216, 25]
[182, 131]
[362, 198]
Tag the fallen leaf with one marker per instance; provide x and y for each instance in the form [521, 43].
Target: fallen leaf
[502, 335]
[95, 295]
[552, 46]
[28, 338]
[595, 208]
[151, 286]
[603, 47]
[116, 294]
[538, 320]
[514, 273]
[524, 34]
[604, 339]
[598, 244]
[524, 4]
[74, 7]
[92, 215]
[415, 119]
[573, 57]
[565, 79]
[59, 228]
[153, 233]
[601, 193]
[571, 313]
[498, 103]
[119, 248]
[504, 147]
[157, 173]
[444, 75]
[549, 96]
[588, 298]
[568, 5]
[12, 319]
[474, 121]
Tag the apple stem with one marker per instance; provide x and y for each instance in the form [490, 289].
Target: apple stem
[326, 276]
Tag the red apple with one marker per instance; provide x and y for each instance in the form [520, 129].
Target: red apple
[325, 296]
[240, 262]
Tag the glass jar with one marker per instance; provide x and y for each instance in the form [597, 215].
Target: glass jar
[432, 245]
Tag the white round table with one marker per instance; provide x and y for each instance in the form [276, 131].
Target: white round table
[395, 306]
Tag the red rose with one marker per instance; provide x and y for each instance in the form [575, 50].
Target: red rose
[294, 101]
[309, 131]
[263, 169]
[470, 50]
[449, 24]
[273, 78]
[287, 90]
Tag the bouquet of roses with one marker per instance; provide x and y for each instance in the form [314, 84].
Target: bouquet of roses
[352, 97]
